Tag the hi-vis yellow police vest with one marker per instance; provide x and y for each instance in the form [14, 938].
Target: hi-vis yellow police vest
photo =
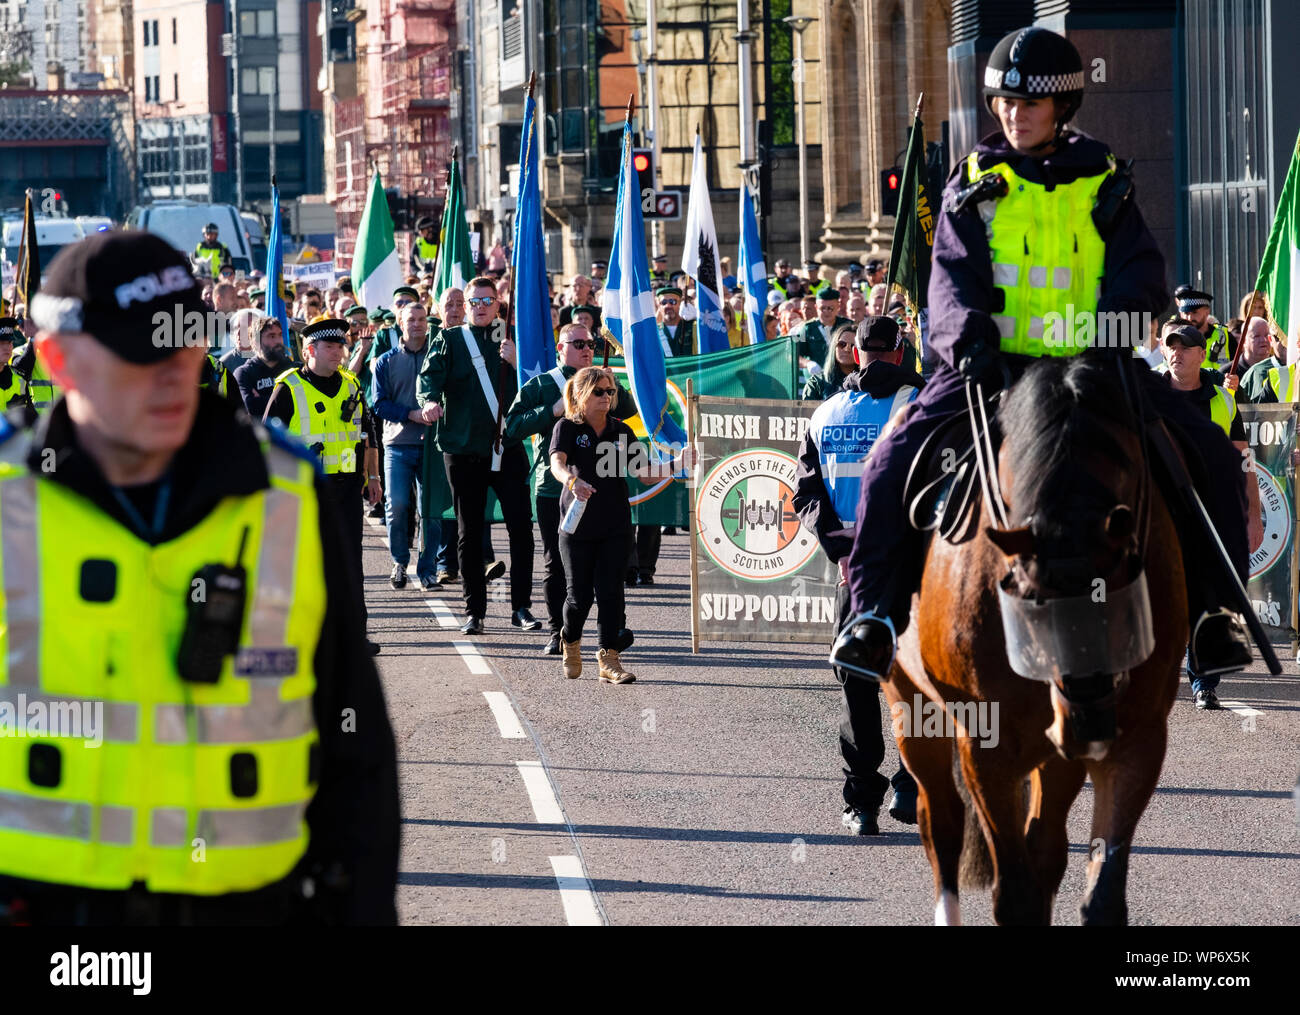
[1220, 362]
[326, 425]
[1279, 379]
[43, 390]
[425, 250]
[1047, 256]
[17, 386]
[199, 789]
[1223, 408]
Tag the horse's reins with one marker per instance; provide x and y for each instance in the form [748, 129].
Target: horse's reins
[985, 461]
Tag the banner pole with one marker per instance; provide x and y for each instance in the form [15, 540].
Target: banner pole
[1295, 537]
[693, 529]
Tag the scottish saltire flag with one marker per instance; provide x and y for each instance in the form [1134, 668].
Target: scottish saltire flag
[1279, 271]
[630, 308]
[275, 269]
[753, 272]
[700, 259]
[534, 340]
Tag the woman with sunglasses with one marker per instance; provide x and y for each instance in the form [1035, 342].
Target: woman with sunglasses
[839, 364]
[591, 454]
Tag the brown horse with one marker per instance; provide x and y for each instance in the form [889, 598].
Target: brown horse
[1084, 518]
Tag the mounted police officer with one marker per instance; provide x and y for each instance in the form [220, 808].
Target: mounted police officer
[176, 581]
[840, 434]
[1036, 219]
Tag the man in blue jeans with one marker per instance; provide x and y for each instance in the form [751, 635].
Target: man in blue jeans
[393, 394]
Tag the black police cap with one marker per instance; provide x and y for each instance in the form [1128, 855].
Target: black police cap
[425, 222]
[1188, 298]
[878, 334]
[329, 330]
[11, 330]
[113, 286]
[874, 265]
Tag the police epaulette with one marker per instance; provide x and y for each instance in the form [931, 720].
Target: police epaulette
[274, 432]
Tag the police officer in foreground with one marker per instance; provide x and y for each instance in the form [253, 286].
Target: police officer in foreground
[212, 251]
[1038, 218]
[323, 406]
[839, 436]
[1194, 308]
[179, 573]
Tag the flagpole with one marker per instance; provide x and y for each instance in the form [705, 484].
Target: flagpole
[510, 311]
[20, 265]
[446, 200]
[627, 123]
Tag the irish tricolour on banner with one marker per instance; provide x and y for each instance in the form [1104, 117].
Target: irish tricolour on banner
[630, 308]
[1279, 272]
[376, 271]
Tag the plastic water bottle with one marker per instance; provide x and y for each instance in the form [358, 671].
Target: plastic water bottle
[573, 516]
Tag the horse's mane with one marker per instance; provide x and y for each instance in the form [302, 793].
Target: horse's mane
[1055, 416]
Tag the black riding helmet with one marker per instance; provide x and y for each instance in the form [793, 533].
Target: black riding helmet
[1034, 63]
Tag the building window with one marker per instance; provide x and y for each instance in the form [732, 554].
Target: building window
[261, 23]
[173, 31]
[176, 87]
[257, 80]
[152, 88]
[151, 32]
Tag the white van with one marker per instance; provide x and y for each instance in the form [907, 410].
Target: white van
[52, 235]
[181, 224]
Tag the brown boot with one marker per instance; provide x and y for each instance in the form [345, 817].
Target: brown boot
[572, 652]
[611, 670]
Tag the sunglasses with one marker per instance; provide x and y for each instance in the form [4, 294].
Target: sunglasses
[603, 392]
[583, 343]
[665, 302]
[398, 304]
[481, 301]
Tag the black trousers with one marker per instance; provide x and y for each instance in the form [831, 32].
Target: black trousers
[862, 744]
[644, 551]
[471, 477]
[594, 568]
[345, 491]
[553, 583]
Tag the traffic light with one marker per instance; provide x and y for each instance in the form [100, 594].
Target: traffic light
[891, 182]
[643, 166]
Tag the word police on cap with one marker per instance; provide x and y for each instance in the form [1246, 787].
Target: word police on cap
[150, 287]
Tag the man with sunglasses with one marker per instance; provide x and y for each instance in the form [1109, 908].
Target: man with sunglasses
[536, 409]
[814, 335]
[675, 335]
[471, 370]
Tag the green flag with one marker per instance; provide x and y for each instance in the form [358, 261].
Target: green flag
[455, 265]
[376, 271]
[1279, 271]
[909, 261]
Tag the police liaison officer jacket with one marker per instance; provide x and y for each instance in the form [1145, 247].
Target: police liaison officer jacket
[260, 769]
[967, 298]
[840, 435]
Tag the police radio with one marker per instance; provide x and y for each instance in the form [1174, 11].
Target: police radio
[214, 619]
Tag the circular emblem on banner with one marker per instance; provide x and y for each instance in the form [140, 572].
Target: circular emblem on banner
[745, 508]
[1012, 78]
[1275, 506]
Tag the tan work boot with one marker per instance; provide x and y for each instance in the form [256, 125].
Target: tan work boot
[611, 670]
[572, 652]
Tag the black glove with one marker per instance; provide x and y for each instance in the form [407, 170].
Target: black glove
[981, 364]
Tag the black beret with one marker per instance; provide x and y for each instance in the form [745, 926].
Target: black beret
[390, 317]
[11, 330]
[329, 330]
[406, 290]
[667, 290]
[1189, 335]
[114, 286]
[377, 315]
[354, 310]
[828, 293]
[878, 334]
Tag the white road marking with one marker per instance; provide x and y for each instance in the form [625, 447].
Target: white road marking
[475, 662]
[444, 616]
[507, 721]
[1240, 708]
[375, 523]
[540, 794]
[575, 892]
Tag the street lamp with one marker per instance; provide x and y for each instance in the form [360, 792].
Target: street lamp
[799, 24]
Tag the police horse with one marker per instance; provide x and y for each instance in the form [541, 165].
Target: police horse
[1056, 592]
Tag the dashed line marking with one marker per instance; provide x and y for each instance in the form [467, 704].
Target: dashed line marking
[540, 794]
[576, 893]
[475, 662]
[441, 613]
[507, 721]
[1240, 708]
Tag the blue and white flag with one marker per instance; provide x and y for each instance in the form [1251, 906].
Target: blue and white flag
[700, 260]
[275, 269]
[534, 339]
[753, 272]
[630, 308]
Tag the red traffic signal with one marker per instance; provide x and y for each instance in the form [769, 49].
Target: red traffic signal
[891, 182]
[640, 161]
[643, 167]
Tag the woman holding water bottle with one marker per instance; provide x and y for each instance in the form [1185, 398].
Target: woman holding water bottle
[592, 454]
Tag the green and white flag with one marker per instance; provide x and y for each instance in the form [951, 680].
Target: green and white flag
[455, 262]
[1279, 272]
[376, 272]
